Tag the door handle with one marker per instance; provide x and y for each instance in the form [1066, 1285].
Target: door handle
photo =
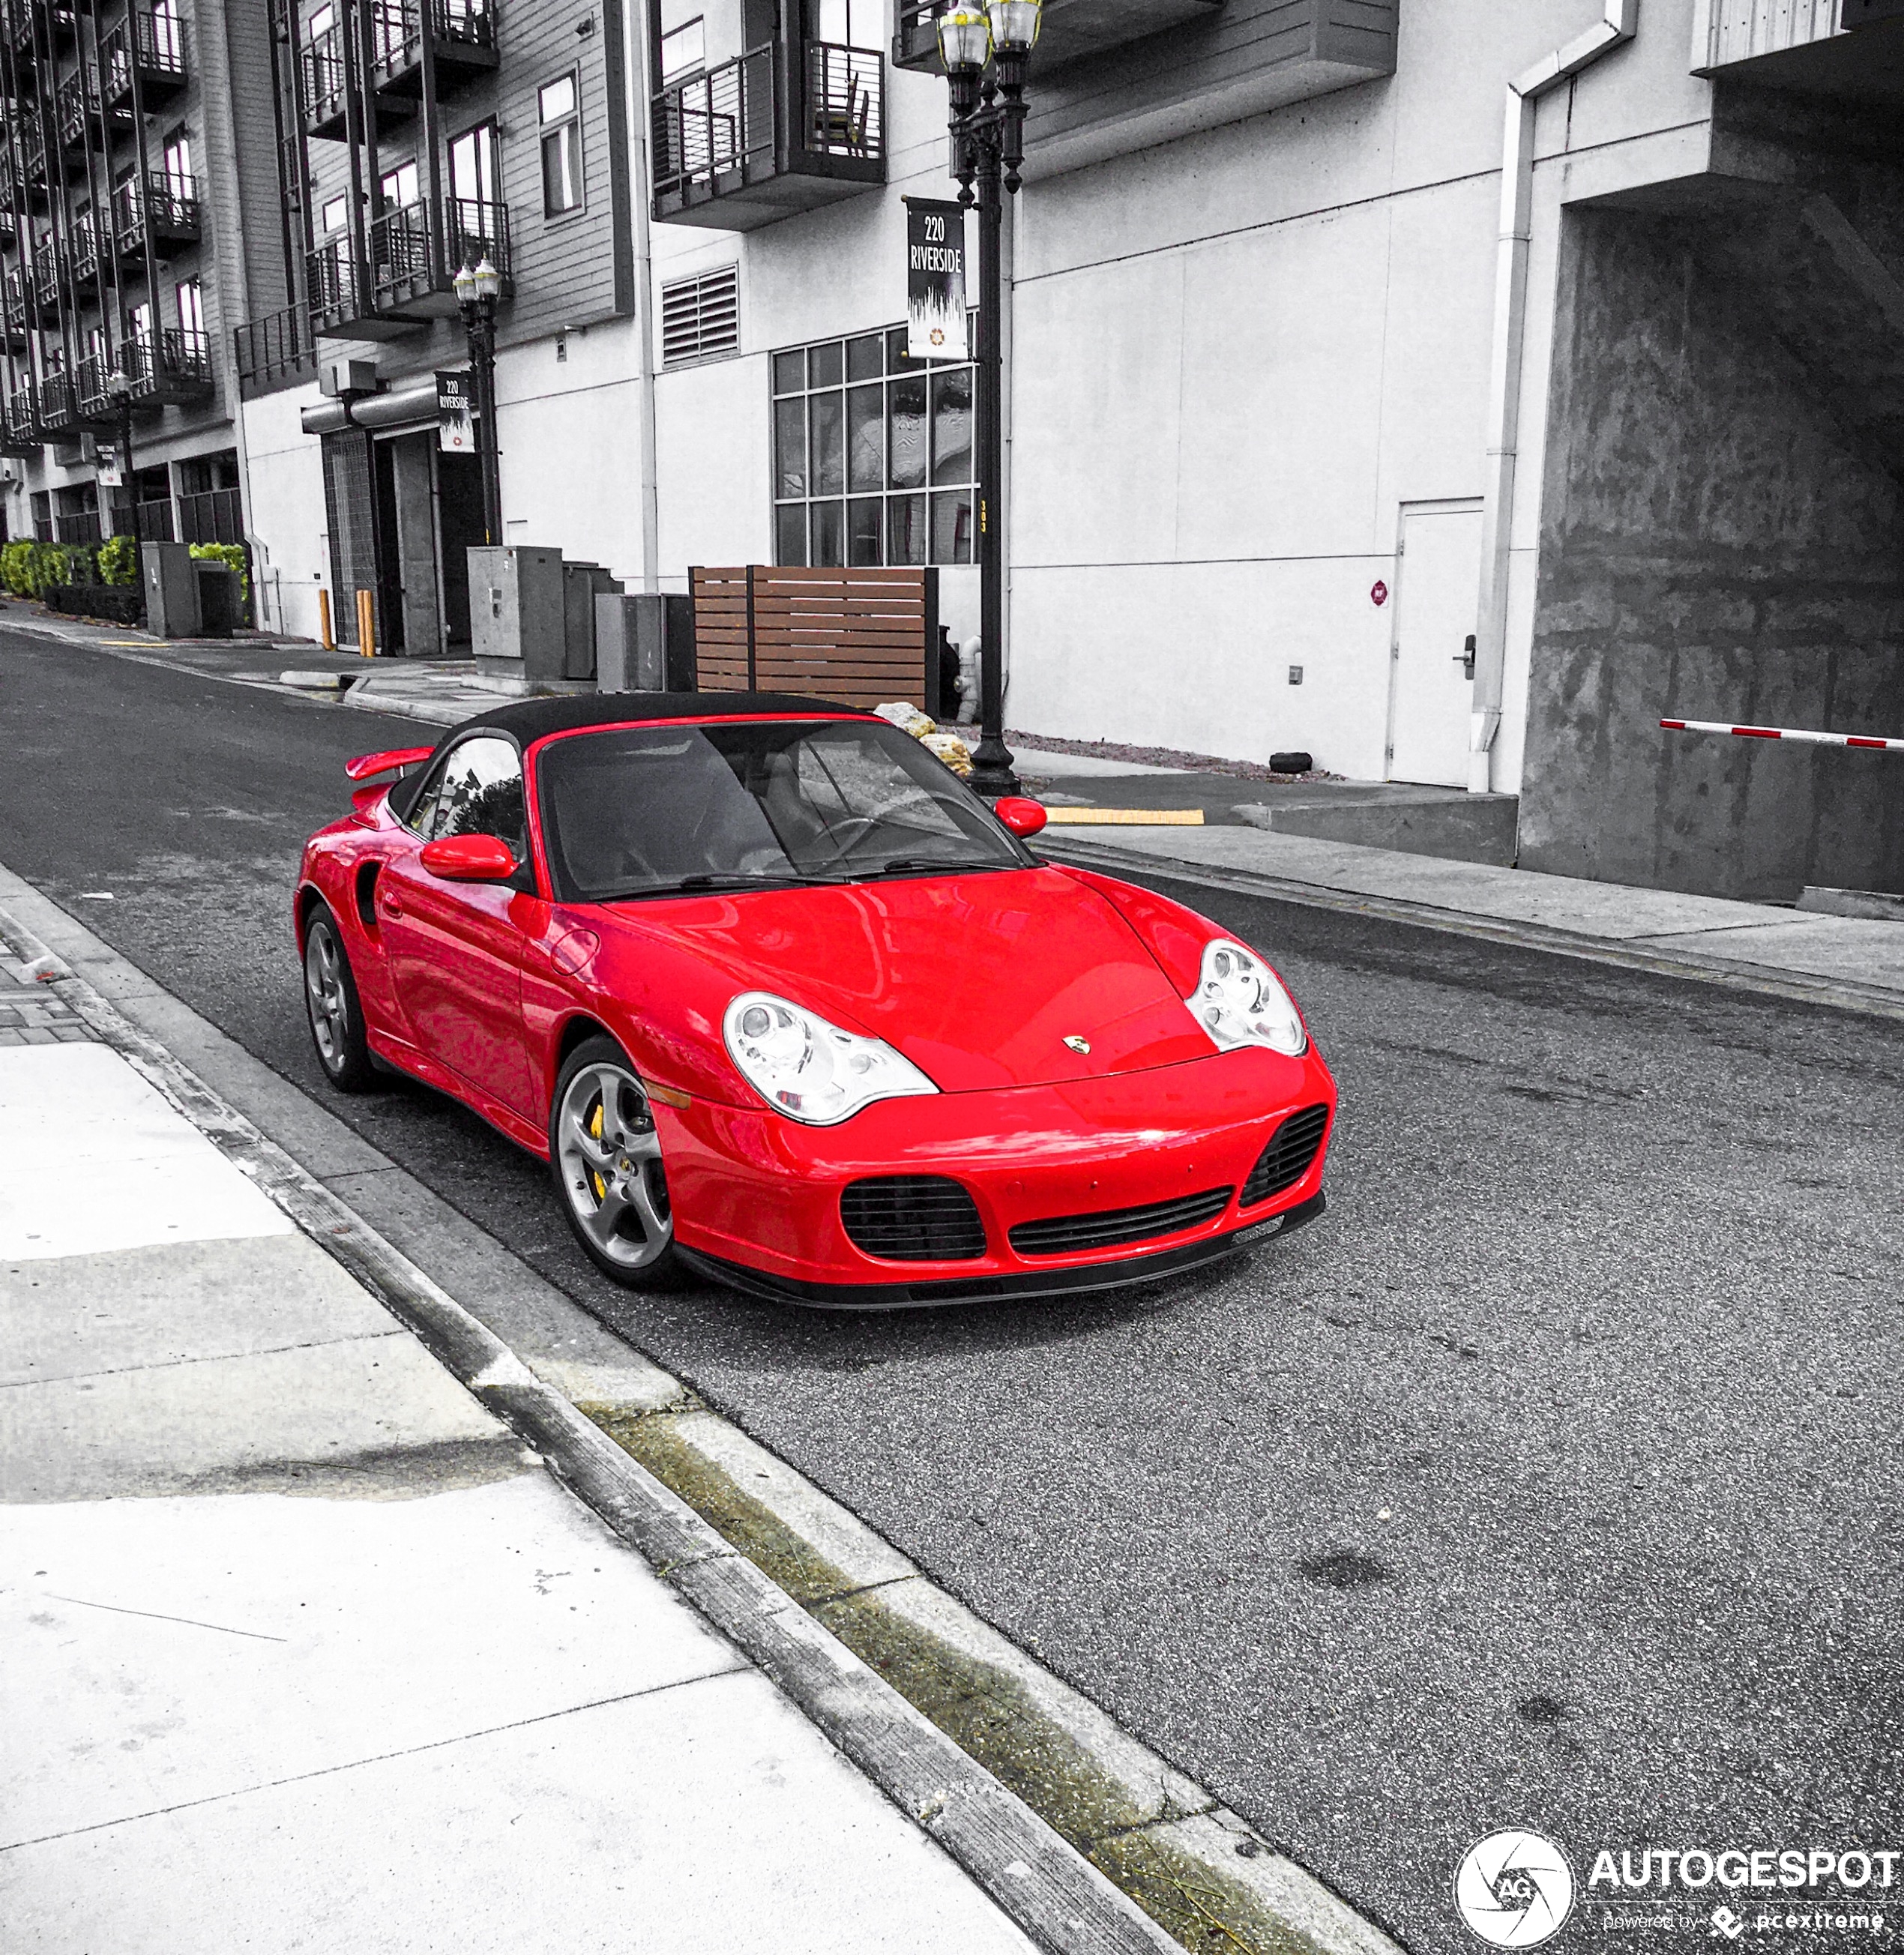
[389, 905]
[1465, 658]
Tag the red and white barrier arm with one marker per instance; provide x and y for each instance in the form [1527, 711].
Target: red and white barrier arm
[1784, 733]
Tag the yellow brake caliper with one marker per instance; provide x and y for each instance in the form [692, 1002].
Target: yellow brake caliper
[595, 1180]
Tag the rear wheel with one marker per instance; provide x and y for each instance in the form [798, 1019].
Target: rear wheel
[331, 1003]
[605, 1156]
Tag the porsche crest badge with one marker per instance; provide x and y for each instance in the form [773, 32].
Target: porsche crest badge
[1076, 1043]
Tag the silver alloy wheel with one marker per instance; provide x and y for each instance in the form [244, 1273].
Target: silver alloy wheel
[330, 1013]
[610, 1156]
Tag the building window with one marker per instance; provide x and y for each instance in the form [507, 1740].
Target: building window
[559, 111]
[872, 454]
[191, 311]
[176, 166]
[701, 317]
[472, 164]
[684, 50]
[333, 215]
[400, 187]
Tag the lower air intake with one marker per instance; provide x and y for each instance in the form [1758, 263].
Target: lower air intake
[1287, 1158]
[912, 1218]
[1064, 1235]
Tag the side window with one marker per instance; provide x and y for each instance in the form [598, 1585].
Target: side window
[479, 793]
[558, 115]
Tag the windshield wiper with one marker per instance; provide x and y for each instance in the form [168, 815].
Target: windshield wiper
[920, 865]
[696, 885]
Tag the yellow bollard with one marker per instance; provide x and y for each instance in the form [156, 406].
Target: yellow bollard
[366, 623]
[324, 619]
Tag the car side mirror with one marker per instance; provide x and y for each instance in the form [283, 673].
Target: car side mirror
[1022, 815]
[469, 858]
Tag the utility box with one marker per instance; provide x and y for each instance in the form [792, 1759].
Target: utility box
[171, 590]
[218, 599]
[582, 584]
[518, 613]
[645, 643]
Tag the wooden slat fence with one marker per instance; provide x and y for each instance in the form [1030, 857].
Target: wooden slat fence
[858, 637]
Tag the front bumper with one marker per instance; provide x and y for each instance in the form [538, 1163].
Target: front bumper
[756, 1198]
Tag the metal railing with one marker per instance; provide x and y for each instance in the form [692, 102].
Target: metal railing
[214, 516]
[53, 402]
[274, 347]
[74, 104]
[20, 418]
[321, 75]
[397, 30]
[177, 361]
[15, 300]
[78, 526]
[85, 250]
[713, 123]
[91, 386]
[845, 101]
[152, 42]
[168, 203]
[50, 266]
[152, 521]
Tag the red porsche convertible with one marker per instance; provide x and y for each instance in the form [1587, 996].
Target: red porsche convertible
[782, 1001]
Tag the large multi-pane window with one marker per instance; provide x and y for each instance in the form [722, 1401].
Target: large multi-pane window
[872, 454]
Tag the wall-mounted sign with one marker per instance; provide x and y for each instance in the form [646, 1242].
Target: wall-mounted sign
[455, 431]
[111, 471]
[936, 280]
[1378, 593]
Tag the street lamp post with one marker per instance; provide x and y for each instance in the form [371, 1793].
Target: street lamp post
[986, 54]
[478, 287]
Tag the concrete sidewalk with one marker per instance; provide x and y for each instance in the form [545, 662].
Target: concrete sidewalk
[1856, 962]
[305, 1651]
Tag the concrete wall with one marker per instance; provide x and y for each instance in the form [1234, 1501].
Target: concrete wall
[284, 505]
[1718, 542]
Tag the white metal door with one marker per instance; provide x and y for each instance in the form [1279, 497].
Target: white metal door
[1438, 577]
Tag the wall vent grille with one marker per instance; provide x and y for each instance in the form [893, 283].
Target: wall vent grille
[701, 317]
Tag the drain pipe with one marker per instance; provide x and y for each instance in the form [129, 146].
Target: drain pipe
[1620, 23]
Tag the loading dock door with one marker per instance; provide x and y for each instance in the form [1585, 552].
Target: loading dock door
[1437, 595]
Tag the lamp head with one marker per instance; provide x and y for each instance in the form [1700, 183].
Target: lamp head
[488, 281]
[465, 284]
[1014, 24]
[964, 40]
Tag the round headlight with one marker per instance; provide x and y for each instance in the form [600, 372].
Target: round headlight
[808, 1069]
[1240, 1001]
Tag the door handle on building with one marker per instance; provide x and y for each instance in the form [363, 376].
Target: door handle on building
[1465, 658]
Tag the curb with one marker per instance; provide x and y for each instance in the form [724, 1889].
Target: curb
[1766, 981]
[1090, 1841]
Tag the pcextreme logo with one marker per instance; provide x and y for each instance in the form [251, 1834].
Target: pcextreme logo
[1514, 1889]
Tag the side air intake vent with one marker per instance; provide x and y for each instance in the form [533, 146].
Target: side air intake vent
[913, 1218]
[1287, 1158]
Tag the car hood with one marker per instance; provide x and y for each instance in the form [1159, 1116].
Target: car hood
[978, 979]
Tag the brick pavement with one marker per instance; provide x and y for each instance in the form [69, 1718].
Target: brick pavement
[31, 1012]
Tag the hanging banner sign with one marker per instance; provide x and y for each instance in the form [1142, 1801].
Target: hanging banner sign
[111, 470]
[936, 280]
[455, 432]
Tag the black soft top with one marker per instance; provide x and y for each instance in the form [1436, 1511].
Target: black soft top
[529, 719]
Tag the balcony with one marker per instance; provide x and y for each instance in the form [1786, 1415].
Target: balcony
[20, 424]
[406, 280]
[15, 313]
[75, 111]
[161, 215]
[93, 391]
[144, 50]
[82, 250]
[171, 368]
[1068, 30]
[274, 351]
[734, 149]
[321, 84]
[50, 280]
[462, 43]
[55, 410]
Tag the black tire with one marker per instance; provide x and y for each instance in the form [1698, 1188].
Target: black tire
[605, 1159]
[333, 1008]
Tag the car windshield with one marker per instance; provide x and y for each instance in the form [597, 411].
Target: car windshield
[650, 809]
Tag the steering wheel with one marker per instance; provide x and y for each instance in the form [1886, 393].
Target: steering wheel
[857, 827]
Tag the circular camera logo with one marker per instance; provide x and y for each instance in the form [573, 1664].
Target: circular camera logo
[1514, 1890]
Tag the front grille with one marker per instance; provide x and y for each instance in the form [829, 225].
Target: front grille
[912, 1218]
[1065, 1234]
[1285, 1161]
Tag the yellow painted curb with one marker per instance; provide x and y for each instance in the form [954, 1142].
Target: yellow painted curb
[1125, 817]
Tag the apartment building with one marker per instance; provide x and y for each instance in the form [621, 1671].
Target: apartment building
[419, 136]
[1309, 447]
[125, 161]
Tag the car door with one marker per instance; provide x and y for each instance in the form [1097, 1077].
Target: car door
[454, 950]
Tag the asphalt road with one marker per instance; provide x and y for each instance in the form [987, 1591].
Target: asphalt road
[1550, 1482]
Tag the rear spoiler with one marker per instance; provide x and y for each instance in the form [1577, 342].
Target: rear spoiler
[393, 761]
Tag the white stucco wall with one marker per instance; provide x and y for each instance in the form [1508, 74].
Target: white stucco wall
[285, 509]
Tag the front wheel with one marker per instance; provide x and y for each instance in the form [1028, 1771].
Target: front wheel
[331, 1002]
[605, 1156]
